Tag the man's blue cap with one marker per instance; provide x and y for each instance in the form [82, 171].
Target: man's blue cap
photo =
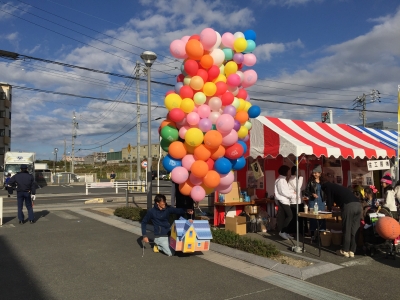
[24, 167]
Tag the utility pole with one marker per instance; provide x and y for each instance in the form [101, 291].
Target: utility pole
[101, 163]
[138, 166]
[361, 101]
[65, 155]
[74, 128]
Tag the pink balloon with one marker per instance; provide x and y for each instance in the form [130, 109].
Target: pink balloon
[233, 89]
[177, 49]
[197, 193]
[233, 80]
[213, 117]
[215, 103]
[227, 40]
[187, 161]
[203, 111]
[182, 123]
[183, 130]
[185, 38]
[195, 180]
[179, 175]
[193, 118]
[250, 78]
[224, 189]
[225, 124]
[208, 38]
[249, 59]
[230, 138]
[227, 179]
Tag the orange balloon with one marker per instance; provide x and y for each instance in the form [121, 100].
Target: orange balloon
[213, 139]
[206, 61]
[177, 150]
[199, 168]
[189, 149]
[211, 179]
[207, 189]
[201, 152]
[242, 117]
[217, 153]
[194, 49]
[186, 187]
[167, 122]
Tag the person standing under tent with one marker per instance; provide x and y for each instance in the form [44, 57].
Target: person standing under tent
[283, 194]
[296, 199]
[315, 195]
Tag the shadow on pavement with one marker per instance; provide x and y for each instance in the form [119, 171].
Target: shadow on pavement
[40, 214]
[16, 281]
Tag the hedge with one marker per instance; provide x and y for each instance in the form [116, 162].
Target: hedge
[135, 213]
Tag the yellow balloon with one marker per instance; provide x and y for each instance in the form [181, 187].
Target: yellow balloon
[248, 125]
[222, 69]
[242, 104]
[247, 106]
[243, 131]
[196, 83]
[240, 44]
[172, 101]
[187, 105]
[230, 68]
[199, 98]
[186, 80]
[220, 78]
[194, 137]
[236, 103]
[209, 89]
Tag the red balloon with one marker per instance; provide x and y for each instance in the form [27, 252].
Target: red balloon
[176, 114]
[213, 72]
[210, 163]
[180, 78]
[221, 88]
[186, 92]
[191, 67]
[227, 98]
[240, 66]
[242, 94]
[169, 92]
[234, 152]
[195, 37]
[203, 74]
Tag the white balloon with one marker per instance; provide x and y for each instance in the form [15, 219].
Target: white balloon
[238, 35]
[233, 89]
[218, 55]
[213, 117]
[241, 75]
[218, 42]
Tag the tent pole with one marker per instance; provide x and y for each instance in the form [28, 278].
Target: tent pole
[296, 248]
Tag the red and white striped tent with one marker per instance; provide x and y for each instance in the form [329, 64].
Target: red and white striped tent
[271, 137]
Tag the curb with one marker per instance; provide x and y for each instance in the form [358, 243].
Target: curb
[318, 267]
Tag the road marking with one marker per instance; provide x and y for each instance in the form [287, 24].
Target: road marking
[7, 226]
[75, 200]
[249, 294]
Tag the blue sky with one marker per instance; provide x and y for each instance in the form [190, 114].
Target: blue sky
[314, 52]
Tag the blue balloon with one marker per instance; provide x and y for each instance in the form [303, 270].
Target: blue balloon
[178, 87]
[222, 165]
[251, 45]
[170, 163]
[254, 111]
[243, 144]
[250, 35]
[239, 163]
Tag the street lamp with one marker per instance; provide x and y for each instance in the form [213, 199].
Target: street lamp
[148, 58]
[54, 165]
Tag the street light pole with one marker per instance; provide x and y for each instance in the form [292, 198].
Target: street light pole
[149, 58]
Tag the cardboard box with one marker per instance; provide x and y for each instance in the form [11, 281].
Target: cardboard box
[251, 209]
[237, 224]
[234, 194]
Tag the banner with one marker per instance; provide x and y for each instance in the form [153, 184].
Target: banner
[257, 171]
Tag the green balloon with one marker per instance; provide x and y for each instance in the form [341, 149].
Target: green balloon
[170, 133]
[165, 144]
[214, 127]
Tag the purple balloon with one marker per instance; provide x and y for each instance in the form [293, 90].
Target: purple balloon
[237, 125]
[238, 58]
[205, 125]
[245, 139]
[230, 110]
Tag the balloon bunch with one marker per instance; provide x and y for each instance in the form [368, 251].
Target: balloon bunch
[207, 126]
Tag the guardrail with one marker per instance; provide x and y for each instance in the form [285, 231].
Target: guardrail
[139, 186]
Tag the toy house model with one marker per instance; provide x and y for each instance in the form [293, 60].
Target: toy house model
[190, 237]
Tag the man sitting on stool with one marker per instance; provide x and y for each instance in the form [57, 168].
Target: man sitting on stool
[26, 190]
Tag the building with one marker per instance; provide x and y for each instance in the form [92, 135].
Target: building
[382, 125]
[123, 155]
[5, 119]
[190, 237]
[77, 160]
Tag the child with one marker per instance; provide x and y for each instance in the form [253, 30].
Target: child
[159, 215]
[389, 198]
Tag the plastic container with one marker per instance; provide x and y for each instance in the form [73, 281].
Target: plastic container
[326, 238]
[337, 237]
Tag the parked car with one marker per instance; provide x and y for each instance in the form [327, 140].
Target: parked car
[154, 174]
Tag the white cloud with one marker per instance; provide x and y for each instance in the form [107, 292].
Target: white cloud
[265, 51]
[7, 10]
[290, 3]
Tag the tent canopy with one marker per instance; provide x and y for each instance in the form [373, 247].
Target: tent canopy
[274, 136]
[388, 137]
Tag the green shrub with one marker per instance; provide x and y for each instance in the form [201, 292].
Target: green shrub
[233, 240]
[130, 213]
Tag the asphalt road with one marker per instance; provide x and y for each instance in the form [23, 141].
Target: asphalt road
[68, 256]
